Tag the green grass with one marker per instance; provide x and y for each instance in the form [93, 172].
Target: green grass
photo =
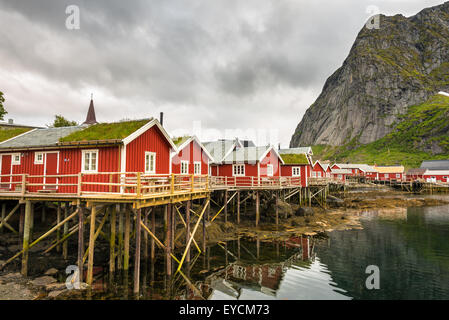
[294, 158]
[180, 140]
[106, 131]
[6, 134]
[421, 126]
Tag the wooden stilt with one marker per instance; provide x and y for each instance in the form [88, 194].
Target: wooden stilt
[43, 212]
[90, 263]
[226, 205]
[277, 207]
[120, 239]
[112, 240]
[173, 232]
[168, 241]
[3, 213]
[238, 207]
[21, 223]
[204, 226]
[153, 229]
[137, 254]
[80, 241]
[66, 230]
[145, 235]
[32, 221]
[188, 229]
[26, 238]
[126, 244]
[58, 220]
[257, 208]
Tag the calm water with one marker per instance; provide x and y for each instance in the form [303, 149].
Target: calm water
[410, 247]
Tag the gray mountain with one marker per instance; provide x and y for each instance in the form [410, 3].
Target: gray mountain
[401, 64]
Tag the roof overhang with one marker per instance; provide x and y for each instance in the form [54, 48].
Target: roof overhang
[187, 142]
[144, 128]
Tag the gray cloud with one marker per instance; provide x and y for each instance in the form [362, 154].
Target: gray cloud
[229, 63]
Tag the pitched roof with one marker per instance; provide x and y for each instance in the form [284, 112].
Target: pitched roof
[182, 142]
[341, 171]
[363, 167]
[106, 131]
[435, 164]
[436, 172]
[390, 169]
[39, 138]
[416, 171]
[289, 158]
[249, 154]
[219, 149]
[306, 150]
[6, 134]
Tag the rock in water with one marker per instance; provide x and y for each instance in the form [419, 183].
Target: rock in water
[401, 64]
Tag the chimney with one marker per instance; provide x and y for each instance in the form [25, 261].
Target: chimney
[91, 119]
[279, 146]
[10, 121]
[161, 118]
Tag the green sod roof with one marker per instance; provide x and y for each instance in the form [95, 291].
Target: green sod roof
[6, 134]
[106, 131]
[180, 140]
[294, 158]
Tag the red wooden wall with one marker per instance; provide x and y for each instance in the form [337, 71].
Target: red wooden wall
[192, 153]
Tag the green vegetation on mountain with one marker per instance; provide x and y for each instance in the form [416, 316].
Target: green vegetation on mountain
[422, 133]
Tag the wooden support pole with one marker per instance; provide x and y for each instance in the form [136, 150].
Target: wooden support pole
[238, 207]
[145, 235]
[168, 241]
[153, 228]
[204, 226]
[257, 208]
[226, 206]
[173, 230]
[3, 213]
[112, 240]
[126, 244]
[80, 241]
[58, 220]
[188, 229]
[277, 207]
[90, 263]
[137, 254]
[120, 240]
[26, 237]
[31, 221]
[66, 230]
[43, 212]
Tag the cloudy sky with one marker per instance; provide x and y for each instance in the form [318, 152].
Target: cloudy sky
[220, 68]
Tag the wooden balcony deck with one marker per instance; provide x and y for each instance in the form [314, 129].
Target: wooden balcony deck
[130, 187]
[254, 183]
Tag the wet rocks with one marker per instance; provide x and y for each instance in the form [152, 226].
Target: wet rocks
[305, 212]
[55, 286]
[51, 272]
[43, 281]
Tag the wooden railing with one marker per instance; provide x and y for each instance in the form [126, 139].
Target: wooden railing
[242, 182]
[105, 183]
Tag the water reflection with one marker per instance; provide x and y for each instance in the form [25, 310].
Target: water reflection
[409, 245]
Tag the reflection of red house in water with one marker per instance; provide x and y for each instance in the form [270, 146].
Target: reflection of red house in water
[268, 277]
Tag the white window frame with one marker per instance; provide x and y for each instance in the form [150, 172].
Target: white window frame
[197, 164]
[184, 164]
[13, 160]
[294, 173]
[398, 175]
[238, 173]
[270, 174]
[318, 174]
[148, 156]
[83, 161]
[386, 175]
[36, 156]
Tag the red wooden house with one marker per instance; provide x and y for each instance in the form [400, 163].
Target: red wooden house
[318, 170]
[389, 173]
[437, 176]
[340, 174]
[191, 157]
[54, 158]
[297, 165]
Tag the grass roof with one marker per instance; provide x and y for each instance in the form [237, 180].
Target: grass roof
[294, 158]
[6, 134]
[106, 131]
[180, 140]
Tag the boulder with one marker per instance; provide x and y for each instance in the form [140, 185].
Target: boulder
[51, 272]
[43, 281]
[305, 212]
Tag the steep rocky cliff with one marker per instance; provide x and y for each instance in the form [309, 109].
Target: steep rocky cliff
[401, 64]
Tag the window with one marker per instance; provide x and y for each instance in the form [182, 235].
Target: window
[197, 167]
[15, 158]
[90, 161]
[39, 158]
[313, 174]
[318, 174]
[184, 167]
[269, 170]
[238, 170]
[296, 171]
[150, 162]
[398, 175]
[386, 175]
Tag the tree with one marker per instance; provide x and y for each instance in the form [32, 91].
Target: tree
[60, 121]
[2, 108]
